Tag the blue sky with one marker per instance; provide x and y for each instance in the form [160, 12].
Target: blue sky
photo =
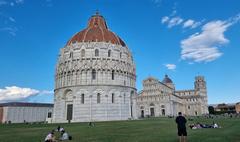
[181, 38]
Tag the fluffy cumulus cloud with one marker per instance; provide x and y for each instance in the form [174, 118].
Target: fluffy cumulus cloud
[170, 66]
[204, 46]
[14, 93]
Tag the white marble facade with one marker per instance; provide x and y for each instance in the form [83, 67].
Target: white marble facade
[98, 79]
[161, 99]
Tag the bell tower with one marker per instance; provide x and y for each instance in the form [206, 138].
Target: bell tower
[201, 90]
[200, 85]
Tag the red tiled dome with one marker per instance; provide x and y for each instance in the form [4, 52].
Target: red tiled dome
[96, 31]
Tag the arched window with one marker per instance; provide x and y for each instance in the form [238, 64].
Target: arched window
[109, 53]
[93, 74]
[113, 75]
[113, 97]
[96, 52]
[82, 98]
[71, 55]
[83, 53]
[120, 54]
[49, 114]
[124, 98]
[98, 98]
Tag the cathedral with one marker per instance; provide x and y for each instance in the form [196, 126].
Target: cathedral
[161, 99]
[95, 80]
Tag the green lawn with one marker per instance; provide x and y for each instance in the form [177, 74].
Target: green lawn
[148, 130]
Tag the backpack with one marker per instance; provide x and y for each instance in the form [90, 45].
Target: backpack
[70, 137]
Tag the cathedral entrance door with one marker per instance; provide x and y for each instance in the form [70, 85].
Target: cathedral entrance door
[69, 112]
[142, 113]
[196, 113]
[152, 112]
[163, 112]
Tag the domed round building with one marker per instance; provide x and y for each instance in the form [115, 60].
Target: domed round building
[95, 77]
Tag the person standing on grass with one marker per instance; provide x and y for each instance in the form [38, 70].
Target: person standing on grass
[181, 125]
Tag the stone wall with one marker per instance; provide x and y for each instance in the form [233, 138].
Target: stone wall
[27, 114]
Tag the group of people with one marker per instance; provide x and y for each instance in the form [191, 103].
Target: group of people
[181, 125]
[52, 138]
[200, 126]
[180, 120]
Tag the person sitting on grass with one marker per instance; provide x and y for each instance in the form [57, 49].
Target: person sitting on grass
[91, 124]
[61, 129]
[65, 136]
[58, 128]
[215, 125]
[50, 137]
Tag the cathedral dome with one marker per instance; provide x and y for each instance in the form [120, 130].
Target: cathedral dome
[96, 31]
[167, 80]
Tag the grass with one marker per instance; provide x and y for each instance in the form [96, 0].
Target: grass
[148, 130]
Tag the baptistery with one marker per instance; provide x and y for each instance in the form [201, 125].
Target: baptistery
[95, 77]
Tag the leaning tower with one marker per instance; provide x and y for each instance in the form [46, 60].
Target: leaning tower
[95, 77]
[201, 90]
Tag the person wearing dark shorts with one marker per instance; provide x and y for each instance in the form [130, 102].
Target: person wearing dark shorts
[181, 125]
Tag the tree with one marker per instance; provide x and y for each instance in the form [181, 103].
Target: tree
[211, 110]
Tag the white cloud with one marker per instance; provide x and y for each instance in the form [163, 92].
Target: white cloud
[170, 66]
[174, 21]
[188, 23]
[191, 24]
[46, 92]
[165, 19]
[14, 93]
[204, 46]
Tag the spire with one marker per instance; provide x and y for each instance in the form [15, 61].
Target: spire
[97, 20]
